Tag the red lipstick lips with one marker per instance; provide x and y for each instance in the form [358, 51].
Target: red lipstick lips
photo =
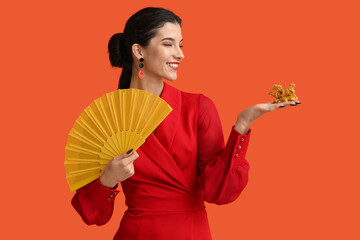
[173, 65]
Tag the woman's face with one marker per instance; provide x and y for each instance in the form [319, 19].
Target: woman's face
[163, 54]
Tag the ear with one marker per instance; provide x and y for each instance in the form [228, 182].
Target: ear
[137, 51]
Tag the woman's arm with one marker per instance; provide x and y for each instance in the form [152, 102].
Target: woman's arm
[223, 169]
[94, 203]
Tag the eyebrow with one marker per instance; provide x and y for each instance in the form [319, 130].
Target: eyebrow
[171, 39]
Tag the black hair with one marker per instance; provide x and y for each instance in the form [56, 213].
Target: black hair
[140, 28]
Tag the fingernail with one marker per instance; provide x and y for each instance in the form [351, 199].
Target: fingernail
[298, 102]
[129, 151]
[281, 106]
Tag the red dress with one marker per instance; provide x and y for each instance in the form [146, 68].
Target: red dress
[185, 164]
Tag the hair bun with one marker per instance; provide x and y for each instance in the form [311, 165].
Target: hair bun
[116, 49]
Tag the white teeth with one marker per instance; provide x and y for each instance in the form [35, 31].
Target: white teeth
[174, 65]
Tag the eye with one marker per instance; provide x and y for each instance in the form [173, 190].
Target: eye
[169, 45]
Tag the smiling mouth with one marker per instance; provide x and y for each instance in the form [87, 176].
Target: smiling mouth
[173, 65]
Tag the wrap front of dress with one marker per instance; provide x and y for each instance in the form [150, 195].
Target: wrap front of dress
[179, 167]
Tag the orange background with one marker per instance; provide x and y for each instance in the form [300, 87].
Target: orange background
[304, 160]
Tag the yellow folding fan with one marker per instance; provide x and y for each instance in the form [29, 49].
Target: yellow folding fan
[110, 126]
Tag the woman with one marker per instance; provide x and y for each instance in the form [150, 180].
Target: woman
[185, 162]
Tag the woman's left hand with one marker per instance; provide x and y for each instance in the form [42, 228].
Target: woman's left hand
[250, 114]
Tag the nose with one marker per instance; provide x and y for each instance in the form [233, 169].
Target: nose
[179, 54]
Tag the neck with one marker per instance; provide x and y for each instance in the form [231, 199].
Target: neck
[153, 85]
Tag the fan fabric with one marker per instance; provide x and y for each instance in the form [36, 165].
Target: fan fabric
[110, 126]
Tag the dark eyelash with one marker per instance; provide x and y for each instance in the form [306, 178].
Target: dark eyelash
[169, 45]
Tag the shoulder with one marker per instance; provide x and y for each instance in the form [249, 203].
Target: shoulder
[188, 96]
[193, 100]
[200, 101]
[199, 98]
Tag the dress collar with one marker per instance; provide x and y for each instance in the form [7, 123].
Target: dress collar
[165, 132]
[158, 147]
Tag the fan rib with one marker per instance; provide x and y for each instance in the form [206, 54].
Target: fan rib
[82, 137]
[144, 105]
[132, 104]
[145, 131]
[142, 113]
[101, 161]
[109, 113]
[113, 113]
[111, 148]
[86, 170]
[131, 110]
[104, 115]
[82, 149]
[82, 122]
[123, 119]
[102, 118]
[94, 121]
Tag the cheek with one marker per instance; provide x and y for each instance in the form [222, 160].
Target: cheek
[157, 58]
[154, 60]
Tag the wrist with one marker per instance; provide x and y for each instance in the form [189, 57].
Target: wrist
[242, 126]
[107, 182]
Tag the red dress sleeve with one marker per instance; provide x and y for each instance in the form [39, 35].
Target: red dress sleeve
[223, 169]
[94, 203]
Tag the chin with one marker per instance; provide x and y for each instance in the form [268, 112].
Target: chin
[173, 78]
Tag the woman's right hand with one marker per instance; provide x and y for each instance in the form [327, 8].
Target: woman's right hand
[118, 169]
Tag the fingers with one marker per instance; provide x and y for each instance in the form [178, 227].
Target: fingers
[285, 104]
[133, 157]
[127, 157]
[129, 170]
